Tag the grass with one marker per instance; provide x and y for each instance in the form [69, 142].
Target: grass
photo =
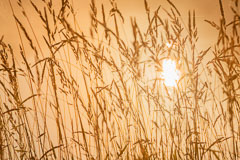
[100, 96]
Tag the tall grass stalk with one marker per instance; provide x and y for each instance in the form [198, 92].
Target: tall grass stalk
[100, 95]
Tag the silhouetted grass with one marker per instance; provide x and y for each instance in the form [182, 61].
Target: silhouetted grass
[100, 96]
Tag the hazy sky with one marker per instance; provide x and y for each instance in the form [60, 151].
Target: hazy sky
[205, 9]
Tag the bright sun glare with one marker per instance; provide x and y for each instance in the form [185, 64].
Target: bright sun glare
[170, 74]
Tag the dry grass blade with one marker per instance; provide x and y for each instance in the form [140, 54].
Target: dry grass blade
[50, 150]
[107, 93]
[174, 7]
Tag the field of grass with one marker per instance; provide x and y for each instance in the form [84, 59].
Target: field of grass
[69, 94]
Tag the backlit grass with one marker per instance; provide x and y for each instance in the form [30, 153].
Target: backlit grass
[150, 93]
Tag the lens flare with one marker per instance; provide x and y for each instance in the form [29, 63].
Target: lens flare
[169, 44]
[170, 74]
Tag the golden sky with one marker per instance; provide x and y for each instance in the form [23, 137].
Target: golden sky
[205, 9]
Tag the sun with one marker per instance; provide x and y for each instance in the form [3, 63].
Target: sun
[170, 73]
